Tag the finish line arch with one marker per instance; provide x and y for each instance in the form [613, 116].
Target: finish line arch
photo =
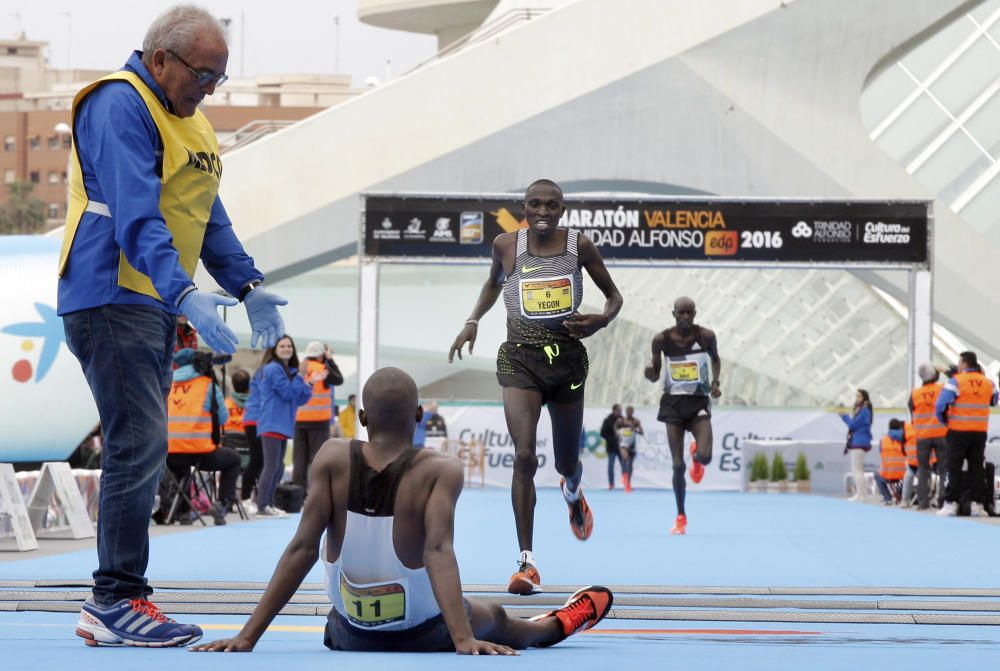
[658, 232]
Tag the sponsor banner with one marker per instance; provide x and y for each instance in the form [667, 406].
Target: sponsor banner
[658, 229]
[820, 434]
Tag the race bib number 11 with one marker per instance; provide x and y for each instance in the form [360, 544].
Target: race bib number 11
[373, 606]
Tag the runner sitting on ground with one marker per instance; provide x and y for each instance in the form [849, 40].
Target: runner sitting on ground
[388, 512]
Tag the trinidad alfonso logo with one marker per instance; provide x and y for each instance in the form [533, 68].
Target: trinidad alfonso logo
[50, 330]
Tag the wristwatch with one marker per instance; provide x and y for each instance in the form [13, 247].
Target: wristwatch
[250, 286]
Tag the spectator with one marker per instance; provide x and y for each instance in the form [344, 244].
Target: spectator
[143, 209]
[931, 434]
[251, 473]
[233, 432]
[420, 435]
[187, 336]
[859, 441]
[312, 420]
[436, 429]
[88, 452]
[282, 391]
[628, 429]
[912, 462]
[348, 417]
[196, 410]
[610, 437]
[893, 462]
[964, 407]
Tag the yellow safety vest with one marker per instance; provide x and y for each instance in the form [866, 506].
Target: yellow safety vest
[189, 184]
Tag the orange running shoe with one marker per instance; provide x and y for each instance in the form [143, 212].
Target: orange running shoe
[697, 470]
[581, 520]
[525, 581]
[583, 610]
[627, 481]
[680, 525]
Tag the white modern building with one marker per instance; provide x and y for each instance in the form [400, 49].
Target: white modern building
[867, 99]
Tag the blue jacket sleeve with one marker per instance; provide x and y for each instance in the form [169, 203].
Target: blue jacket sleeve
[295, 389]
[223, 254]
[945, 399]
[118, 143]
[858, 421]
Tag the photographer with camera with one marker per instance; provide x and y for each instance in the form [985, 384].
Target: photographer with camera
[196, 412]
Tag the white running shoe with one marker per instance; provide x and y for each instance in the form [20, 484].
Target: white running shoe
[977, 510]
[250, 507]
[271, 511]
[949, 509]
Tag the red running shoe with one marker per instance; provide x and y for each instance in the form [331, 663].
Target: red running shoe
[697, 470]
[680, 525]
[628, 482]
[583, 610]
[581, 520]
[525, 581]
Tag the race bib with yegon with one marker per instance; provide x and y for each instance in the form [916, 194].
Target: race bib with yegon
[374, 605]
[684, 371]
[547, 297]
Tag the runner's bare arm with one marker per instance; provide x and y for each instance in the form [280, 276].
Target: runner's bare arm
[653, 370]
[581, 326]
[487, 297]
[712, 347]
[298, 558]
[442, 567]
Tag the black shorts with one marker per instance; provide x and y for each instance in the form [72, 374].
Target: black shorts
[428, 636]
[684, 409]
[558, 371]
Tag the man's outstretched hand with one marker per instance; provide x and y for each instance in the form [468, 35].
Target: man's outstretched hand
[266, 324]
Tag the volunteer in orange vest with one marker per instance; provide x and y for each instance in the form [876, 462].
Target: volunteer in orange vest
[910, 474]
[189, 427]
[312, 420]
[233, 432]
[893, 461]
[931, 442]
[964, 407]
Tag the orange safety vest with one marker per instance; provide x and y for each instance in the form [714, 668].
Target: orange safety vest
[893, 460]
[235, 422]
[189, 425]
[971, 409]
[910, 443]
[318, 409]
[924, 420]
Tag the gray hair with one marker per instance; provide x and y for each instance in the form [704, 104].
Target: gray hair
[177, 28]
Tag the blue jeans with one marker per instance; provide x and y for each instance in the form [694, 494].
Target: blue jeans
[273, 470]
[884, 487]
[126, 352]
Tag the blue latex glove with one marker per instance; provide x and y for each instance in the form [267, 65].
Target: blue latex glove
[266, 324]
[202, 310]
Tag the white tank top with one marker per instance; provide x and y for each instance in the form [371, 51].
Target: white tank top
[368, 585]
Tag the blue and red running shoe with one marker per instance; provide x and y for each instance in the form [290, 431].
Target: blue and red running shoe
[132, 622]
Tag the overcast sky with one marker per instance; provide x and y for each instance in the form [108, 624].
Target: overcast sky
[283, 37]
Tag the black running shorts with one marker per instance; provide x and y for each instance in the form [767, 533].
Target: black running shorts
[558, 371]
[428, 636]
[684, 410]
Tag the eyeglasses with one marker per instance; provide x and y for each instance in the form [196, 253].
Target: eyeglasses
[203, 77]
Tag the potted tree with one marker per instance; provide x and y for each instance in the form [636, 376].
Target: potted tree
[802, 474]
[779, 474]
[758, 473]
